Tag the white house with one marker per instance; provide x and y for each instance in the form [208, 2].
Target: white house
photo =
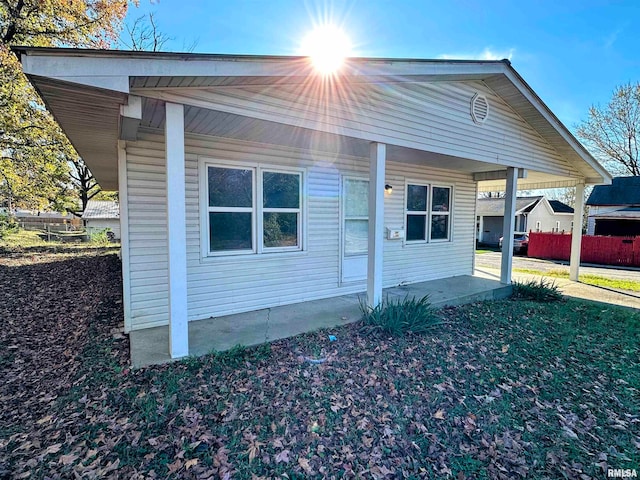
[248, 182]
[535, 214]
[102, 215]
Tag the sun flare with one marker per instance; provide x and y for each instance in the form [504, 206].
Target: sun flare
[327, 46]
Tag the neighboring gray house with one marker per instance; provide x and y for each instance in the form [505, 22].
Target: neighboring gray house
[536, 214]
[251, 182]
[615, 209]
[100, 215]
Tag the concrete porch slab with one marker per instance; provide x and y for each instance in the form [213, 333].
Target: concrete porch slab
[151, 346]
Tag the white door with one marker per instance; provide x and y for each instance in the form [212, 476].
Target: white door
[355, 228]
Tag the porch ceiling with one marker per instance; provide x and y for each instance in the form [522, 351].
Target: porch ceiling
[90, 118]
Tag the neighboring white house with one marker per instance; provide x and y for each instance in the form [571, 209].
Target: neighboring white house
[247, 182]
[535, 214]
[615, 209]
[102, 215]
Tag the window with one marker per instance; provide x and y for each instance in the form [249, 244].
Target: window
[231, 209]
[428, 213]
[356, 217]
[253, 210]
[417, 212]
[440, 212]
[281, 195]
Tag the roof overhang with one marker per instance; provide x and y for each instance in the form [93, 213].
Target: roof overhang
[88, 92]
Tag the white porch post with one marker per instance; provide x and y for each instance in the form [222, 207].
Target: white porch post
[480, 228]
[576, 233]
[508, 227]
[124, 234]
[176, 231]
[377, 158]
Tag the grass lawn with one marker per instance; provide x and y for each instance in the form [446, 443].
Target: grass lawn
[589, 279]
[506, 389]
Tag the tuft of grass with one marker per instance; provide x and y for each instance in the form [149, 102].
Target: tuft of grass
[538, 290]
[397, 317]
[100, 237]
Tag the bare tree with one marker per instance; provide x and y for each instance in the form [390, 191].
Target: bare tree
[144, 35]
[612, 132]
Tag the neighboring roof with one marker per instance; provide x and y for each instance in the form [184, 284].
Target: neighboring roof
[97, 209]
[628, 213]
[622, 191]
[559, 207]
[494, 207]
[85, 89]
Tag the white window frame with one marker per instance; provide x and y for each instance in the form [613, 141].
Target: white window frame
[343, 227]
[258, 250]
[428, 213]
[260, 230]
[408, 212]
[433, 212]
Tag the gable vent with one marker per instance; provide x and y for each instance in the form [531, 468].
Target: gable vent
[479, 108]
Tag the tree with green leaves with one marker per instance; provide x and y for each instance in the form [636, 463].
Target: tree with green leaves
[36, 158]
[612, 132]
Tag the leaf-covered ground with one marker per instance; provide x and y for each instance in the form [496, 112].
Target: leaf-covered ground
[507, 389]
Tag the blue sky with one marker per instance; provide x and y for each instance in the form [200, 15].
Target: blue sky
[572, 53]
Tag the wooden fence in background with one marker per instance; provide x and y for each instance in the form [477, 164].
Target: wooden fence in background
[624, 251]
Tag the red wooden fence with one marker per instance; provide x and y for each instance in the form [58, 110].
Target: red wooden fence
[603, 250]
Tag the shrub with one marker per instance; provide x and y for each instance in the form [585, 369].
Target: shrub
[100, 237]
[397, 317]
[7, 225]
[538, 290]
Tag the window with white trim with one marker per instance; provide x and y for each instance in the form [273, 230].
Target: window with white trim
[253, 210]
[356, 216]
[440, 213]
[417, 200]
[281, 210]
[428, 213]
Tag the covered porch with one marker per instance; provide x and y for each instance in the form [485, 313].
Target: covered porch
[259, 326]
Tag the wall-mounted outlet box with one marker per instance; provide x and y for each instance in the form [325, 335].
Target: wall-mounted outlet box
[395, 233]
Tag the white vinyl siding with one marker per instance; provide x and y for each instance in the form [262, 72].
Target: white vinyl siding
[231, 284]
[431, 116]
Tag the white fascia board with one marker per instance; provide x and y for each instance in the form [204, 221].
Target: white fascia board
[113, 72]
[75, 70]
[555, 123]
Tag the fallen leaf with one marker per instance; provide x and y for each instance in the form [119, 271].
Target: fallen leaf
[439, 414]
[304, 463]
[190, 463]
[282, 457]
[67, 459]
[53, 448]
